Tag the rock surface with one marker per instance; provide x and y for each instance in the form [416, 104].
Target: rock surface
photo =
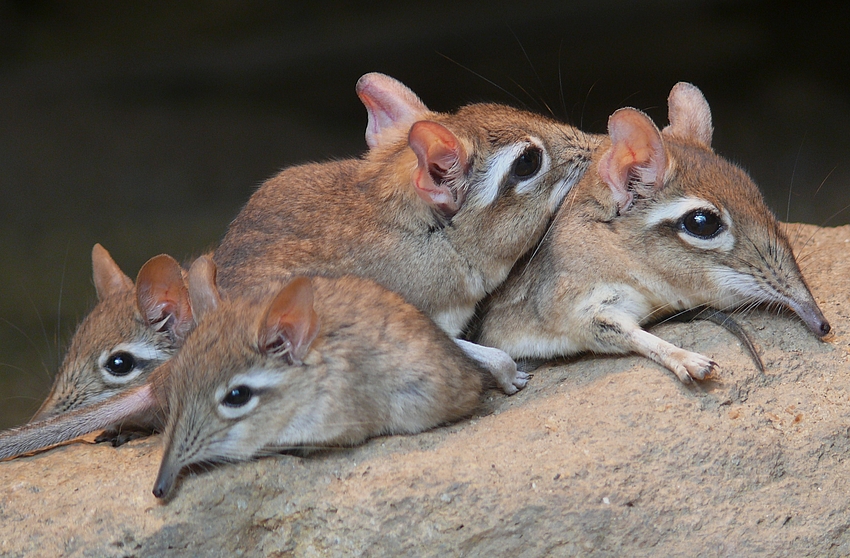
[598, 456]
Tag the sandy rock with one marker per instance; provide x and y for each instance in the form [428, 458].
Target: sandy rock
[598, 456]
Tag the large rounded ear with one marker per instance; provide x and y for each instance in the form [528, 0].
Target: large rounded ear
[290, 324]
[636, 162]
[202, 289]
[391, 106]
[109, 280]
[689, 115]
[442, 163]
[162, 296]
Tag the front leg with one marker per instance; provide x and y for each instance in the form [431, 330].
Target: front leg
[685, 364]
[498, 363]
[624, 334]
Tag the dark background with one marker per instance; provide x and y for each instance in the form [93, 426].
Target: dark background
[146, 127]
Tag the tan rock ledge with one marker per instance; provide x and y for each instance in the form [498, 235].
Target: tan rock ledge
[598, 456]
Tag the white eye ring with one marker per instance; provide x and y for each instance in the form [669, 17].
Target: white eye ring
[142, 353]
[722, 241]
[677, 210]
[529, 183]
[501, 166]
[234, 412]
[256, 380]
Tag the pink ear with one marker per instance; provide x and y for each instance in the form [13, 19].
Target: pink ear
[291, 324]
[203, 292]
[689, 115]
[391, 107]
[636, 160]
[438, 177]
[108, 277]
[162, 297]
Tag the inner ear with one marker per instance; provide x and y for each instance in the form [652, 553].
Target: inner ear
[203, 292]
[290, 323]
[162, 297]
[689, 115]
[636, 162]
[392, 108]
[441, 165]
[109, 280]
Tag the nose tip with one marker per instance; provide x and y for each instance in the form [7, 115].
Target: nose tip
[812, 317]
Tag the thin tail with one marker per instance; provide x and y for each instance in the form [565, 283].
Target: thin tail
[726, 322]
[61, 428]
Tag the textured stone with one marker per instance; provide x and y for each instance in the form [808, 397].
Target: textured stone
[598, 456]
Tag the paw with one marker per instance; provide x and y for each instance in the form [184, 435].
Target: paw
[504, 370]
[107, 436]
[119, 438]
[499, 364]
[690, 366]
[521, 379]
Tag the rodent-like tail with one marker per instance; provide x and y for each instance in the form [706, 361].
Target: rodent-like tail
[728, 323]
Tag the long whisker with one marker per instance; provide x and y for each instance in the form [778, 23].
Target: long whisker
[534, 70]
[478, 75]
[561, 81]
[59, 304]
[823, 224]
[825, 179]
[793, 172]
[584, 104]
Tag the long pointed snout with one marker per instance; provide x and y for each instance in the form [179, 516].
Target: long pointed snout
[138, 404]
[812, 316]
[164, 483]
[166, 478]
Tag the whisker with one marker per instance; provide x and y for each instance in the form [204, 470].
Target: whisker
[29, 340]
[478, 75]
[59, 304]
[534, 70]
[13, 367]
[825, 179]
[823, 224]
[533, 98]
[43, 332]
[584, 104]
[560, 80]
[793, 173]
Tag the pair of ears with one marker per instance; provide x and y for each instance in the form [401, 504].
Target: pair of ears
[637, 162]
[442, 161]
[289, 326]
[160, 291]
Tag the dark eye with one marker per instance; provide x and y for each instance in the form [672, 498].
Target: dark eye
[238, 396]
[120, 364]
[528, 163]
[702, 223]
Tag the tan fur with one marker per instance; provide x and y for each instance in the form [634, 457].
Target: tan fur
[364, 217]
[361, 217]
[376, 366]
[434, 210]
[370, 362]
[149, 325]
[603, 270]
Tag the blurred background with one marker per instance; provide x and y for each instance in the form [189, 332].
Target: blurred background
[146, 126]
